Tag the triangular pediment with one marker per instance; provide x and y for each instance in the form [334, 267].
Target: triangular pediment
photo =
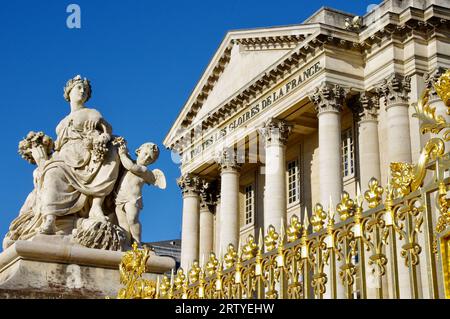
[242, 57]
[244, 66]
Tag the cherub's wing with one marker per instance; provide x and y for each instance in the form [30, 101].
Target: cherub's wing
[160, 179]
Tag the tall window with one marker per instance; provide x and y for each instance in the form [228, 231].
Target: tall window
[249, 204]
[348, 153]
[293, 182]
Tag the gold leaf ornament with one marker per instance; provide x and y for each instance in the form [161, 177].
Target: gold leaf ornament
[373, 195]
[346, 208]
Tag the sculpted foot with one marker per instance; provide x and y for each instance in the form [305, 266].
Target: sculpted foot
[97, 214]
[48, 227]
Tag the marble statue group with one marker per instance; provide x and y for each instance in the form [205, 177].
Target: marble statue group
[86, 186]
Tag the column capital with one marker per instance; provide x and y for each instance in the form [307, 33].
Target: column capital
[328, 97]
[190, 184]
[430, 79]
[395, 89]
[228, 160]
[208, 196]
[276, 131]
[368, 105]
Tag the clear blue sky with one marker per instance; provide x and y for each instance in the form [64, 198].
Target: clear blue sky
[143, 59]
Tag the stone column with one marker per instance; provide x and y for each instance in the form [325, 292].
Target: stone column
[190, 187]
[395, 91]
[217, 224]
[229, 199]
[276, 133]
[368, 143]
[206, 221]
[328, 99]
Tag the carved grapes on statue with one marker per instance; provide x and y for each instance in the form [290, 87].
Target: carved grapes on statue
[85, 185]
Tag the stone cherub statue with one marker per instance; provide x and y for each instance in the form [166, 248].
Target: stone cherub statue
[75, 179]
[129, 192]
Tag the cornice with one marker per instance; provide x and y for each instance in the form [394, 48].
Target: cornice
[270, 42]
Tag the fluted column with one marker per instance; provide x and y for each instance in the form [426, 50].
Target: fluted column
[229, 201]
[276, 133]
[369, 153]
[395, 90]
[328, 100]
[217, 224]
[190, 187]
[206, 221]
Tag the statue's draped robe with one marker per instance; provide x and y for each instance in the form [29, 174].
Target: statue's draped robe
[72, 175]
[67, 181]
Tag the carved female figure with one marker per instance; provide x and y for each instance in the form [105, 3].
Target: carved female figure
[84, 168]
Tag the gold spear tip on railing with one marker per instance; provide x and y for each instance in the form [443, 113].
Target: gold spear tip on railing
[260, 240]
[306, 220]
[331, 212]
[282, 234]
[359, 197]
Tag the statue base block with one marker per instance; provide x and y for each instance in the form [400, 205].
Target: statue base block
[50, 267]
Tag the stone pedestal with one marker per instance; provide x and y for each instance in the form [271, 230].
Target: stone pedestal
[53, 268]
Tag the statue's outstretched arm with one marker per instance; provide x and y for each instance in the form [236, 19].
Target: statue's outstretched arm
[130, 165]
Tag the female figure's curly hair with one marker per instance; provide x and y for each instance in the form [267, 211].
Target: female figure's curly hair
[72, 82]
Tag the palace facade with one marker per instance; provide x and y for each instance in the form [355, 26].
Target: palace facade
[287, 117]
